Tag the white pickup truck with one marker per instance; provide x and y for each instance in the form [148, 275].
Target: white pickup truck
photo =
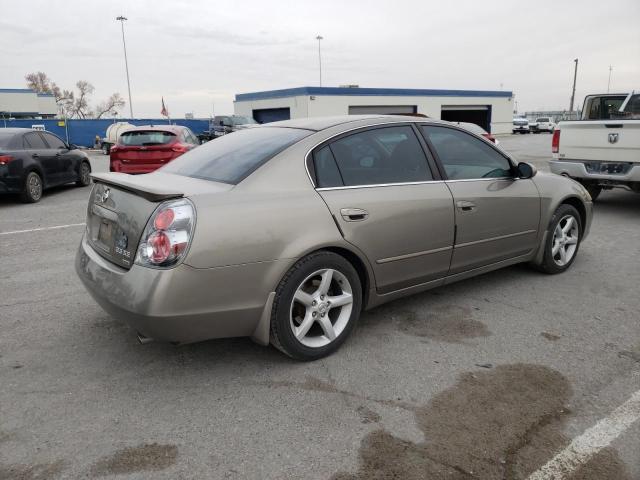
[602, 150]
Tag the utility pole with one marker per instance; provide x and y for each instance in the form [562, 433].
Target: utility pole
[319, 38]
[609, 82]
[573, 92]
[126, 63]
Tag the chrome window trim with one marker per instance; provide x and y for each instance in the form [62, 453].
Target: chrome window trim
[306, 157]
[481, 179]
[375, 185]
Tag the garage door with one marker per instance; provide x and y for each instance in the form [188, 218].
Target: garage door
[266, 115]
[382, 109]
[478, 114]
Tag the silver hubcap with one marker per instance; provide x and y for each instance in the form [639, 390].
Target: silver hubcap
[565, 240]
[35, 187]
[321, 308]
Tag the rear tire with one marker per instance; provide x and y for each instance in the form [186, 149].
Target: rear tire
[317, 305]
[563, 240]
[106, 149]
[32, 189]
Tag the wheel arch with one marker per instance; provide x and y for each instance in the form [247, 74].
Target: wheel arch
[579, 205]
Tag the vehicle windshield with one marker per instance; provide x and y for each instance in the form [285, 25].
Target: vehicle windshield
[233, 157]
[5, 138]
[521, 121]
[239, 120]
[146, 138]
[542, 120]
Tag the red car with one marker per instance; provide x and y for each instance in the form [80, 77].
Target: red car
[144, 149]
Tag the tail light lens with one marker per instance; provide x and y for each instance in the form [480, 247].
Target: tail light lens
[4, 159]
[555, 141]
[179, 148]
[168, 234]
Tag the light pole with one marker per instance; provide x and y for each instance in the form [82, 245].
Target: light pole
[573, 92]
[609, 82]
[319, 38]
[126, 63]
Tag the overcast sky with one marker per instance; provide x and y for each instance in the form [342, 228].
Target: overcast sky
[199, 54]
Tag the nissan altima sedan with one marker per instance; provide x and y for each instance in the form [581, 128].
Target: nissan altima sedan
[286, 232]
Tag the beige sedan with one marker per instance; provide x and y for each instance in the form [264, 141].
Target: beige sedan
[286, 232]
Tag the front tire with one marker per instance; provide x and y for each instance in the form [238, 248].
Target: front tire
[106, 149]
[84, 176]
[563, 240]
[317, 305]
[32, 189]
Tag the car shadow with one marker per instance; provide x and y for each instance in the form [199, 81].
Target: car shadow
[618, 201]
[13, 199]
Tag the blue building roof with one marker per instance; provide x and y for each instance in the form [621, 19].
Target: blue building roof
[16, 90]
[400, 92]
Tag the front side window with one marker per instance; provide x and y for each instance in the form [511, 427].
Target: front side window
[231, 158]
[465, 157]
[53, 141]
[380, 156]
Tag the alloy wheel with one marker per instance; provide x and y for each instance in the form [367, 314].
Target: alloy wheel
[321, 308]
[565, 240]
[35, 187]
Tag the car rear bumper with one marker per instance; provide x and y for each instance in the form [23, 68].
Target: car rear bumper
[181, 304]
[126, 167]
[10, 183]
[577, 169]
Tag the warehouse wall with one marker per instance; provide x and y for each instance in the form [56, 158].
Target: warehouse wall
[83, 132]
[328, 105]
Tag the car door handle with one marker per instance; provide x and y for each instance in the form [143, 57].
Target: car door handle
[354, 214]
[34, 155]
[466, 206]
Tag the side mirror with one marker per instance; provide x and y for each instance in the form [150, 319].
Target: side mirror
[526, 170]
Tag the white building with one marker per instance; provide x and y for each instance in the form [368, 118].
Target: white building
[25, 103]
[492, 110]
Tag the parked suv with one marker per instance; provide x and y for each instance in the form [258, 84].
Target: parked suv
[520, 125]
[146, 148]
[545, 124]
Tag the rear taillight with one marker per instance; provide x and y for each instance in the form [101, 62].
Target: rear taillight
[555, 141]
[167, 236]
[4, 159]
[179, 148]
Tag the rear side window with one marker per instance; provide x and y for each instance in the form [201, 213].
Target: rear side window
[380, 156]
[465, 157]
[326, 169]
[5, 139]
[232, 157]
[34, 141]
[146, 138]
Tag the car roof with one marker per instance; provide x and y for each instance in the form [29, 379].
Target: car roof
[322, 123]
[16, 130]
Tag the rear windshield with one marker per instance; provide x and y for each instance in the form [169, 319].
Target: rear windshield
[5, 138]
[543, 119]
[231, 158]
[139, 138]
[521, 121]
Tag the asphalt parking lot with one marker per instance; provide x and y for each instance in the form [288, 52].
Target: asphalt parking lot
[488, 378]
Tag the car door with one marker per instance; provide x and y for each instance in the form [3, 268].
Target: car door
[388, 202]
[497, 214]
[43, 156]
[66, 161]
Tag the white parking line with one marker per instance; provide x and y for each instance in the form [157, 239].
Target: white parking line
[594, 439]
[43, 228]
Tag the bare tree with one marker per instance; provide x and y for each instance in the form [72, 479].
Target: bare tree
[72, 104]
[110, 106]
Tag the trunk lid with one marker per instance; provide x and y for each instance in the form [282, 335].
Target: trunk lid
[120, 206]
